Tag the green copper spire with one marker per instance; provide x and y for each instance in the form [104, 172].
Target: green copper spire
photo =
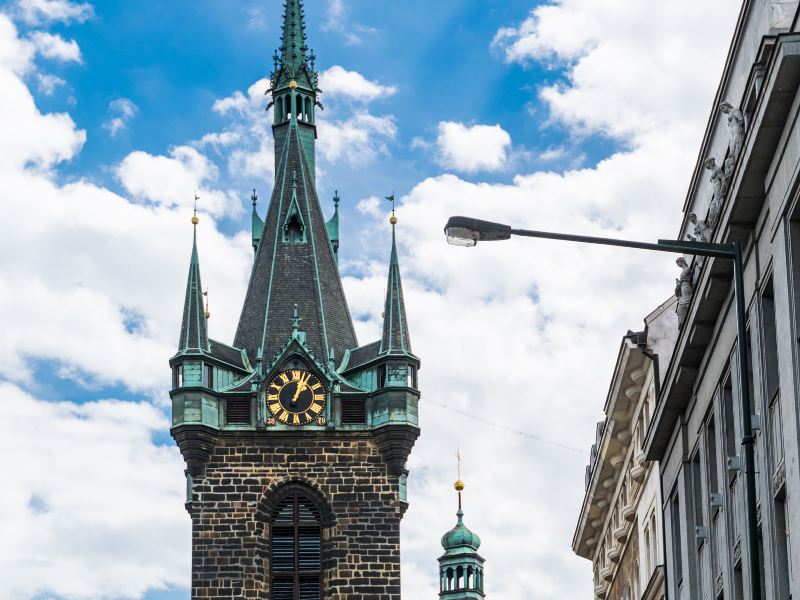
[194, 330]
[395, 338]
[460, 567]
[293, 38]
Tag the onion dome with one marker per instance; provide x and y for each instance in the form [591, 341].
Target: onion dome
[460, 540]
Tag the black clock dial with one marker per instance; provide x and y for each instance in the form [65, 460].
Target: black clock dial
[296, 397]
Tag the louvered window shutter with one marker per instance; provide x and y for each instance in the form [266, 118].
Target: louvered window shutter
[296, 543]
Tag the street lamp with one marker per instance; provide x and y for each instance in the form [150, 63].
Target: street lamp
[465, 231]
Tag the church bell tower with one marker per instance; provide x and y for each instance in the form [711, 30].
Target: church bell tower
[295, 436]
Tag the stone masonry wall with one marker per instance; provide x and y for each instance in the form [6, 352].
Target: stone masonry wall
[231, 502]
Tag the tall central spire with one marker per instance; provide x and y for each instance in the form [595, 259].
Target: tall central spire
[294, 260]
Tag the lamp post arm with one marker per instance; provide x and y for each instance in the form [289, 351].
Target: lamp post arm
[673, 246]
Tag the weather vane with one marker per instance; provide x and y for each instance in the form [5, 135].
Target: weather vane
[336, 199]
[195, 220]
[391, 199]
[254, 197]
[208, 304]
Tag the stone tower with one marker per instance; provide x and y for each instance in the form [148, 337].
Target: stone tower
[295, 437]
[460, 567]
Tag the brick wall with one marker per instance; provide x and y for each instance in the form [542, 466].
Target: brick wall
[231, 503]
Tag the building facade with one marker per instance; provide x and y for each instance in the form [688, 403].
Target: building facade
[295, 436]
[620, 526]
[744, 188]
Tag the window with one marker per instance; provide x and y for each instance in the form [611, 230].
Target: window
[412, 377]
[296, 549]
[208, 376]
[381, 376]
[177, 376]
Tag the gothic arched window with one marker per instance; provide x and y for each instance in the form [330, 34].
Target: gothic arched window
[296, 543]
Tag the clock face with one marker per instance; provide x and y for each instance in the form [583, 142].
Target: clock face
[296, 397]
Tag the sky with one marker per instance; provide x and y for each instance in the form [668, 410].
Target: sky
[570, 115]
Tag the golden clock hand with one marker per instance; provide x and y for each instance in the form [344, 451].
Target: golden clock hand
[301, 386]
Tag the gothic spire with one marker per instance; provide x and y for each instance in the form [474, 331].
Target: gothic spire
[194, 329]
[293, 38]
[395, 339]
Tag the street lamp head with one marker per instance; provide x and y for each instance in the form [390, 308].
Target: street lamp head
[464, 231]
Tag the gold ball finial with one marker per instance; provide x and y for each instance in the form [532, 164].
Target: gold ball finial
[293, 84]
[195, 220]
[208, 315]
[393, 220]
[459, 485]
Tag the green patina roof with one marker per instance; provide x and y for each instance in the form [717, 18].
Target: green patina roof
[395, 338]
[460, 540]
[194, 329]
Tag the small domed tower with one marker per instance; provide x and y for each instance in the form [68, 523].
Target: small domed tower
[460, 567]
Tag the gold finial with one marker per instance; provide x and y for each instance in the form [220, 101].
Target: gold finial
[293, 84]
[208, 303]
[393, 220]
[459, 486]
[195, 220]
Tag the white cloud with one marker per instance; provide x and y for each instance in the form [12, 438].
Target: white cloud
[29, 137]
[48, 84]
[358, 139]
[611, 48]
[473, 148]
[369, 206]
[55, 47]
[171, 181]
[95, 508]
[35, 12]
[122, 110]
[338, 81]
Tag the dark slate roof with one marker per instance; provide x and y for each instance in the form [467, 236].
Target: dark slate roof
[287, 273]
[363, 355]
[395, 338]
[194, 331]
[227, 354]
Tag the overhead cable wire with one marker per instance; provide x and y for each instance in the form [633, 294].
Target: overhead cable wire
[525, 434]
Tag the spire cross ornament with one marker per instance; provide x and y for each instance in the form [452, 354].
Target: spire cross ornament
[254, 197]
[336, 199]
[296, 320]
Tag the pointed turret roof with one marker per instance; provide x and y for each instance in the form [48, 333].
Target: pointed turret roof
[293, 38]
[395, 339]
[194, 329]
[294, 264]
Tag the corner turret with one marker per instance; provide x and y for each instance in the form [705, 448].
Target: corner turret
[194, 330]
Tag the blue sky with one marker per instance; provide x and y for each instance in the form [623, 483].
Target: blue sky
[175, 59]
[567, 115]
